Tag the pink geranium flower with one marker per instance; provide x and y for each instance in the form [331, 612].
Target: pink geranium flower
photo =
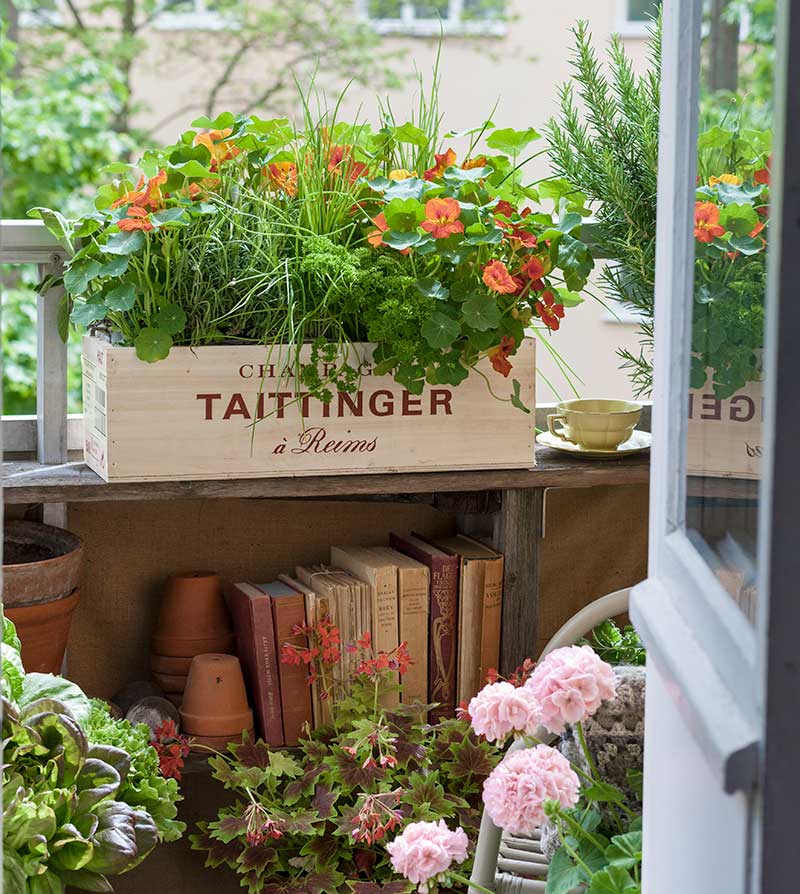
[427, 850]
[501, 709]
[570, 684]
[516, 790]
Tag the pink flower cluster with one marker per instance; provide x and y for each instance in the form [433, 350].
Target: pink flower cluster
[424, 851]
[569, 685]
[516, 790]
[501, 709]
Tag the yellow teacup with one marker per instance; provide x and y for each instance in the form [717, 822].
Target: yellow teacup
[596, 424]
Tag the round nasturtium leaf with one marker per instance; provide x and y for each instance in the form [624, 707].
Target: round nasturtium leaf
[481, 312]
[152, 344]
[87, 312]
[121, 298]
[440, 331]
[171, 318]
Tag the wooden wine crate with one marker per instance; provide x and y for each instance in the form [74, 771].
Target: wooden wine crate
[724, 439]
[231, 412]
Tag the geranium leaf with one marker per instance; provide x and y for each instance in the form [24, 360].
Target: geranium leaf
[323, 848]
[440, 331]
[228, 828]
[470, 760]
[152, 344]
[323, 801]
[251, 753]
[613, 880]
[281, 764]
[257, 857]
[303, 822]
[325, 881]
[625, 850]
[427, 797]
[218, 853]
[563, 875]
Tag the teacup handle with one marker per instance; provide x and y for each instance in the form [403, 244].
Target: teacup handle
[551, 424]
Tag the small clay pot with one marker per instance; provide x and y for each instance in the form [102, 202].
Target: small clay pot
[192, 607]
[167, 664]
[40, 563]
[181, 647]
[171, 682]
[215, 699]
[43, 630]
[218, 743]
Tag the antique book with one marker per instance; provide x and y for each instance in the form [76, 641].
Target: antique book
[251, 610]
[443, 620]
[413, 589]
[351, 611]
[381, 576]
[289, 614]
[480, 609]
[325, 606]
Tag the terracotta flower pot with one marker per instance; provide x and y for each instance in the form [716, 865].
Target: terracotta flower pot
[167, 664]
[182, 647]
[215, 699]
[43, 630]
[192, 607]
[41, 576]
[170, 683]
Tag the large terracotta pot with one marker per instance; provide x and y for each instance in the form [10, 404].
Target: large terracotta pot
[192, 607]
[215, 699]
[41, 575]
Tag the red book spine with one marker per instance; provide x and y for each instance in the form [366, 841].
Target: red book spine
[443, 629]
[288, 613]
[255, 639]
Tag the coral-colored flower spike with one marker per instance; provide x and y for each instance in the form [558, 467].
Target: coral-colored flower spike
[441, 218]
[706, 222]
[498, 279]
[443, 162]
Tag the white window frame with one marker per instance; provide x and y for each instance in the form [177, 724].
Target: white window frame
[201, 18]
[453, 26]
[627, 27]
[701, 641]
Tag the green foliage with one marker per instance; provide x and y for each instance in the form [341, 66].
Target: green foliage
[144, 787]
[617, 646]
[253, 230]
[610, 152]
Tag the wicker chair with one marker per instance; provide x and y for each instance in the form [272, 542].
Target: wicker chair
[508, 864]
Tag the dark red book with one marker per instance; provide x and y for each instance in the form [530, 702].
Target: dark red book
[251, 609]
[289, 613]
[443, 626]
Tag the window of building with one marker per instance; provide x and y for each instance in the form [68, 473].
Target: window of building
[636, 16]
[178, 15]
[429, 17]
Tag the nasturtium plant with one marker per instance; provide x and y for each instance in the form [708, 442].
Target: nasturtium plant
[260, 232]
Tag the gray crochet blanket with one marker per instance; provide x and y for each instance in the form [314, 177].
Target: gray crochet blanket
[615, 737]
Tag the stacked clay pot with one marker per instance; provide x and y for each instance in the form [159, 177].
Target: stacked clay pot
[41, 575]
[215, 709]
[192, 620]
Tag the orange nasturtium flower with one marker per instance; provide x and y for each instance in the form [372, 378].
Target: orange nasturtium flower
[706, 222]
[146, 195]
[533, 268]
[336, 156]
[137, 219]
[443, 162]
[505, 208]
[283, 176]
[214, 141]
[730, 179]
[498, 355]
[497, 277]
[375, 238]
[550, 312]
[400, 174]
[479, 162]
[762, 174]
[757, 229]
[441, 218]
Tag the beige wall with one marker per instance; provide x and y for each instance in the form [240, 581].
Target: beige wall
[521, 71]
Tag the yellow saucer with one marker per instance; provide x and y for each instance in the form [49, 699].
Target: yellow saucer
[638, 441]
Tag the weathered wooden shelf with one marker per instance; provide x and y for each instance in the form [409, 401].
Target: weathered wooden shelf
[30, 482]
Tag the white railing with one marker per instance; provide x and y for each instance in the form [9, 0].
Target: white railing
[29, 242]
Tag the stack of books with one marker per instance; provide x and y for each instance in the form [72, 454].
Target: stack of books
[442, 598]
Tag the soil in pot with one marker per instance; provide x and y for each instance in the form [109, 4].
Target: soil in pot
[215, 698]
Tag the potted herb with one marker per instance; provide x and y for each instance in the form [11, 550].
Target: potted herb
[346, 255]
[83, 799]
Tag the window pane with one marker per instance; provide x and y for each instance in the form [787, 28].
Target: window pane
[432, 9]
[384, 9]
[473, 10]
[642, 10]
[726, 404]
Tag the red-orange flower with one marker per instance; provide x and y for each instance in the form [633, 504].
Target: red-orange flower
[479, 162]
[757, 229]
[336, 156]
[376, 236]
[131, 196]
[146, 195]
[706, 222]
[762, 175]
[137, 219]
[549, 311]
[533, 268]
[443, 162]
[441, 218]
[505, 208]
[219, 149]
[522, 237]
[499, 355]
[497, 277]
[357, 169]
[283, 176]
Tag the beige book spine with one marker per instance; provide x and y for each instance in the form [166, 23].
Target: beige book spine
[492, 617]
[470, 617]
[413, 598]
